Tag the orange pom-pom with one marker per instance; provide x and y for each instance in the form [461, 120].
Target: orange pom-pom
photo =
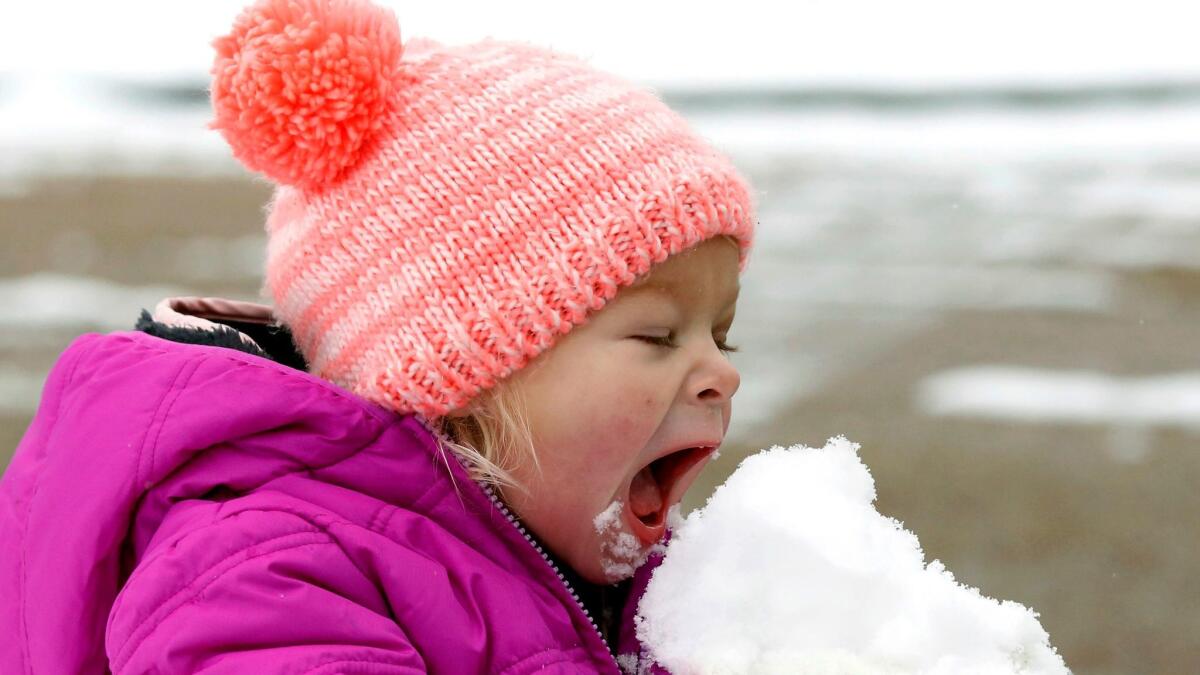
[300, 86]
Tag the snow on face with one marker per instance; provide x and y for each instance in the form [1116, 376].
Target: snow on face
[621, 553]
[790, 569]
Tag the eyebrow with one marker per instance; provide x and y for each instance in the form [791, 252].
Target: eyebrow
[671, 292]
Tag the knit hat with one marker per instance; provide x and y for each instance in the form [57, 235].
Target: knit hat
[442, 214]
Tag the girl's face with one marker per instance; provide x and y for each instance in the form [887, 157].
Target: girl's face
[626, 409]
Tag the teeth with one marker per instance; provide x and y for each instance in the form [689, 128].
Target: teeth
[645, 494]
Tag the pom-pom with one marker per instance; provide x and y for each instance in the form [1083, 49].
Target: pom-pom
[300, 86]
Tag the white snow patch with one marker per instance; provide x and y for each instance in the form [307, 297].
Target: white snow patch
[951, 137]
[790, 569]
[631, 664]
[940, 287]
[609, 517]
[49, 300]
[59, 124]
[621, 552]
[1072, 397]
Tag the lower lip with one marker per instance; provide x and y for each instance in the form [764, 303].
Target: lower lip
[647, 534]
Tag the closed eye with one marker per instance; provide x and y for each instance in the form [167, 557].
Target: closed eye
[659, 340]
[669, 341]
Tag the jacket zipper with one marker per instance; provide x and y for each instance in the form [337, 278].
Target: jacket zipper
[537, 547]
[443, 446]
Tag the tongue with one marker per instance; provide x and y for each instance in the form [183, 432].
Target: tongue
[645, 499]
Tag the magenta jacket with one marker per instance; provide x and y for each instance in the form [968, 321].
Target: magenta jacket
[176, 508]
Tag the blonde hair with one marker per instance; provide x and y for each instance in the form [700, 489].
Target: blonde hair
[493, 436]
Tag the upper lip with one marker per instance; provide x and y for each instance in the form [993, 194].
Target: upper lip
[685, 446]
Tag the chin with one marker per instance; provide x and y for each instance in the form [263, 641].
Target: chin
[619, 550]
[593, 573]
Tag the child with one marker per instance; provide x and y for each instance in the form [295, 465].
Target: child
[508, 279]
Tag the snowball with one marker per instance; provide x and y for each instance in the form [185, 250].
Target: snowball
[790, 569]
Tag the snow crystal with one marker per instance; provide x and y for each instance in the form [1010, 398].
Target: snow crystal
[621, 552]
[790, 569]
[608, 518]
[630, 664]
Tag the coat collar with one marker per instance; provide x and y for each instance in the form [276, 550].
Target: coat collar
[245, 326]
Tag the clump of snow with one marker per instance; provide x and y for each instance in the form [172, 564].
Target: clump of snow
[608, 518]
[790, 569]
[621, 553]
[628, 663]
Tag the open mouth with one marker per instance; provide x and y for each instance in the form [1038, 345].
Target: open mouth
[658, 486]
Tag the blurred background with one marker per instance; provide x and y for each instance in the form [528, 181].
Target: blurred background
[979, 252]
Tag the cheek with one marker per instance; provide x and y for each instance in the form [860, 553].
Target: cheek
[635, 417]
[591, 410]
[608, 426]
[632, 418]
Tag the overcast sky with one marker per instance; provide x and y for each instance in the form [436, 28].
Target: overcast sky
[910, 42]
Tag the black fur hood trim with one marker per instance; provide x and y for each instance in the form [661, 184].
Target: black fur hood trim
[183, 320]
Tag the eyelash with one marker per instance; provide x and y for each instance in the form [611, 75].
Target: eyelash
[669, 341]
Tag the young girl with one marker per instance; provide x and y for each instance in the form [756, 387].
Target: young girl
[502, 285]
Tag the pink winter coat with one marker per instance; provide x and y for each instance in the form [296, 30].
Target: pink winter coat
[176, 508]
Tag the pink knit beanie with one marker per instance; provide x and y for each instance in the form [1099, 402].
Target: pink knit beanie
[444, 213]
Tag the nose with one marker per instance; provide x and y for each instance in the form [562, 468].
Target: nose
[716, 380]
